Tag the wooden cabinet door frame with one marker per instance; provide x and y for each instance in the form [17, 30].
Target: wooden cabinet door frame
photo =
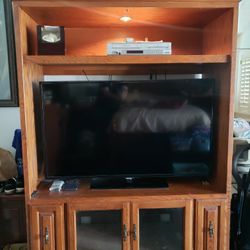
[187, 205]
[47, 220]
[211, 225]
[98, 206]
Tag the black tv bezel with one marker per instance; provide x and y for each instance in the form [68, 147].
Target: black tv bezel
[165, 175]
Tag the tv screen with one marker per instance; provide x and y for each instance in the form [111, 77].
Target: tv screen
[133, 128]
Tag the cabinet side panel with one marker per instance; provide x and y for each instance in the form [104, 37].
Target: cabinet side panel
[225, 79]
[27, 74]
[21, 22]
[223, 117]
[217, 35]
[31, 74]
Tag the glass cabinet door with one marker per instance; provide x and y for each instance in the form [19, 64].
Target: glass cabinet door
[161, 229]
[162, 226]
[99, 227]
[99, 230]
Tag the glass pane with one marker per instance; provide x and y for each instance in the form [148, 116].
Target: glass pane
[99, 230]
[4, 61]
[161, 229]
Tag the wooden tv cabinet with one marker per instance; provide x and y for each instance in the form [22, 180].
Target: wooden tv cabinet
[203, 34]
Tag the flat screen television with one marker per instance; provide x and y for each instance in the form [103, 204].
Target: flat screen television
[111, 129]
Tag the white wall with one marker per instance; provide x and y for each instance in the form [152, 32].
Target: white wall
[244, 24]
[9, 121]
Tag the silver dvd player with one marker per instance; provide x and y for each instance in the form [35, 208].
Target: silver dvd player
[140, 48]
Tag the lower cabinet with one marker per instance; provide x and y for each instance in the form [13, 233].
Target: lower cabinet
[211, 225]
[123, 226]
[144, 225]
[47, 227]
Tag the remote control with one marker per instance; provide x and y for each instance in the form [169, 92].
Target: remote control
[71, 185]
[56, 186]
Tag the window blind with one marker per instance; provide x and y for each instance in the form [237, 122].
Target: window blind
[244, 87]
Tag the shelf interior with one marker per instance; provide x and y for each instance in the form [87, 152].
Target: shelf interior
[192, 31]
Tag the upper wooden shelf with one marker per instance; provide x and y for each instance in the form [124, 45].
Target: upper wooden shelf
[123, 60]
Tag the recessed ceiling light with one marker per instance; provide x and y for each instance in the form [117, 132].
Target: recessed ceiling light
[125, 19]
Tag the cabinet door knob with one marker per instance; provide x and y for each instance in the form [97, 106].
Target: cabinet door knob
[211, 229]
[125, 232]
[46, 235]
[134, 232]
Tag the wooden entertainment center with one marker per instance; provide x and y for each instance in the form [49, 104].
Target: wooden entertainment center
[203, 35]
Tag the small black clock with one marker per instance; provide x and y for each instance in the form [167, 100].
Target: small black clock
[51, 40]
